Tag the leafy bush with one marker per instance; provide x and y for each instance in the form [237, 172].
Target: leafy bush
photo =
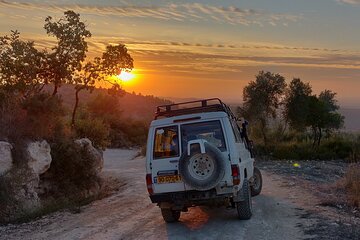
[40, 116]
[94, 129]
[339, 147]
[123, 132]
[72, 169]
[127, 133]
[44, 114]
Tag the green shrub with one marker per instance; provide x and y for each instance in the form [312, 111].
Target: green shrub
[123, 132]
[72, 169]
[40, 116]
[341, 146]
[127, 133]
[94, 129]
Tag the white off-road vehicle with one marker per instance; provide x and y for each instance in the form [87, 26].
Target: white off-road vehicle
[198, 155]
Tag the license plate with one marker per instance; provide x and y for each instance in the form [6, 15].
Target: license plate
[168, 179]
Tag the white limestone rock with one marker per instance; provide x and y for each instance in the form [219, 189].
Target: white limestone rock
[39, 156]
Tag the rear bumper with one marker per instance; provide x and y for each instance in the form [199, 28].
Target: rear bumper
[188, 197]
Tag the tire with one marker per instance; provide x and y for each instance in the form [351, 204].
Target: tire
[202, 171]
[256, 185]
[244, 208]
[169, 215]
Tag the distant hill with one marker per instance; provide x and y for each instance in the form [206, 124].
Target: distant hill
[134, 106]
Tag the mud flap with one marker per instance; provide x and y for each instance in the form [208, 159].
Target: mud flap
[239, 196]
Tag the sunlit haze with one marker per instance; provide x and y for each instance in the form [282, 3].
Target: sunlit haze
[125, 76]
[195, 49]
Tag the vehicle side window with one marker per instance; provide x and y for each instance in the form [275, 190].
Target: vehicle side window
[166, 142]
[236, 131]
[210, 131]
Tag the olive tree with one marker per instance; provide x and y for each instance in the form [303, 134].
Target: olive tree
[296, 104]
[306, 111]
[262, 99]
[323, 115]
[70, 50]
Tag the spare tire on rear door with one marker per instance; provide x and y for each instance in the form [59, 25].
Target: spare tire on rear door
[202, 171]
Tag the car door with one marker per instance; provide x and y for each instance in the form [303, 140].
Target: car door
[165, 158]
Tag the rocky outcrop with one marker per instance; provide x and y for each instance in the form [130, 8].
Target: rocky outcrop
[84, 144]
[22, 181]
[39, 158]
[6, 160]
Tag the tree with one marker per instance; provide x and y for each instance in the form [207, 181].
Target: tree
[70, 51]
[296, 104]
[262, 99]
[21, 65]
[323, 115]
[85, 80]
[114, 60]
[328, 98]
[318, 113]
[304, 110]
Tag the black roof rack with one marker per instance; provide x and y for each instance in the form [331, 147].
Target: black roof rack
[199, 106]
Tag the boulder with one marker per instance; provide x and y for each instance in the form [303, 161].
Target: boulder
[39, 156]
[19, 197]
[95, 156]
[6, 160]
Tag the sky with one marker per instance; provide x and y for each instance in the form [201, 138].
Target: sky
[198, 49]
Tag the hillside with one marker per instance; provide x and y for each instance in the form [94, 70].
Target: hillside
[135, 106]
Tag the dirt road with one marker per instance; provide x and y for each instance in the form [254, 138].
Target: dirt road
[129, 214]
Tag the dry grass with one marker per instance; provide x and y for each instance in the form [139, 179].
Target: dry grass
[352, 184]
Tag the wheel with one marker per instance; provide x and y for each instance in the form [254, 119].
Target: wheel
[244, 208]
[256, 185]
[169, 215]
[202, 171]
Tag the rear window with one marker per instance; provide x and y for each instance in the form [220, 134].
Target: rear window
[166, 144]
[210, 131]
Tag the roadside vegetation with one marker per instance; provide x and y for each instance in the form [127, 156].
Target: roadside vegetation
[32, 109]
[290, 122]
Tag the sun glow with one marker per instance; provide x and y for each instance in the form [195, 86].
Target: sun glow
[125, 76]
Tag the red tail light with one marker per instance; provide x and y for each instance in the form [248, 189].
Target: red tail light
[235, 173]
[234, 170]
[149, 184]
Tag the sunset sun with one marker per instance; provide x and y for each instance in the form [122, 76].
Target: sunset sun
[125, 76]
